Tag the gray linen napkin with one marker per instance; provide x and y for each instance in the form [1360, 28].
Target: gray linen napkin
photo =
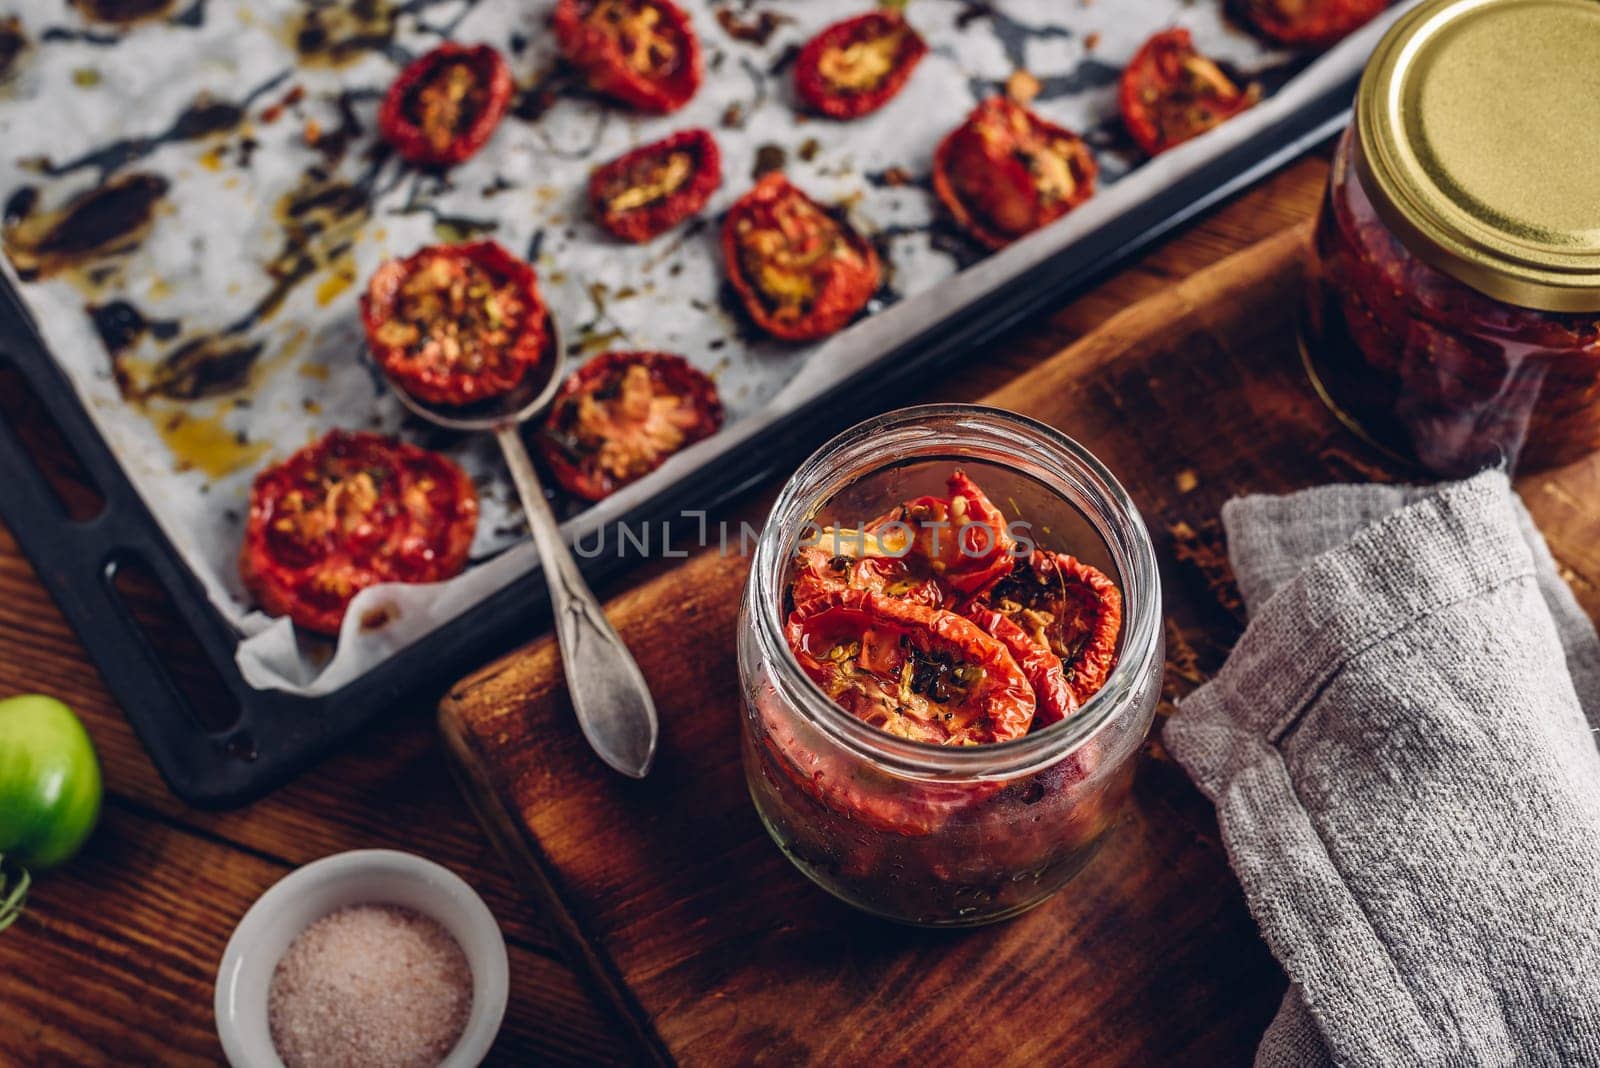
[1405, 778]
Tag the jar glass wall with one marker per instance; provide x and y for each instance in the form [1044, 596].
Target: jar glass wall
[928, 834]
[1429, 367]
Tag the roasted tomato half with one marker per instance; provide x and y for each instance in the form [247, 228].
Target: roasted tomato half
[921, 673]
[443, 107]
[963, 540]
[619, 416]
[1309, 23]
[348, 512]
[820, 570]
[1170, 93]
[1006, 172]
[456, 324]
[641, 52]
[1043, 669]
[648, 191]
[802, 273]
[1066, 606]
[854, 67]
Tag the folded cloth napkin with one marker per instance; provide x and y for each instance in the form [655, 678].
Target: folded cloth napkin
[1401, 753]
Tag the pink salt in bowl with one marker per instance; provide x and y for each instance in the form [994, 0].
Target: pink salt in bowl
[360, 877]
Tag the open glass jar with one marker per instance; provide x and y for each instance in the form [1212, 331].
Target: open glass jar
[1454, 311]
[910, 830]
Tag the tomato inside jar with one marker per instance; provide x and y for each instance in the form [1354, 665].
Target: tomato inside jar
[643, 53]
[855, 67]
[1006, 172]
[348, 512]
[456, 324]
[445, 105]
[801, 273]
[1171, 93]
[647, 191]
[620, 417]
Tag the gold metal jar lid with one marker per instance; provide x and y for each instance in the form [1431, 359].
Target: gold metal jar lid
[1479, 128]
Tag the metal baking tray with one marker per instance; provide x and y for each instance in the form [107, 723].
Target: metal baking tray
[276, 734]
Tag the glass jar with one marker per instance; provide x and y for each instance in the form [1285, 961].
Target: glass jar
[928, 834]
[1453, 314]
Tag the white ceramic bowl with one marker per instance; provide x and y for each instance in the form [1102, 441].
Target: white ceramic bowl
[360, 877]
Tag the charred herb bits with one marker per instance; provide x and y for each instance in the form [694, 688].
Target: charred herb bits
[1006, 172]
[349, 512]
[646, 192]
[801, 272]
[445, 105]
[855, 67]
[619, 417]
[1171, 93]
[456, 324]
[643, 53]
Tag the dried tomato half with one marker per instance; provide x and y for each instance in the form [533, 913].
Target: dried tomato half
[456, 324]
[819, 571]
[921, 673]
[963, 539]
[1170, 93]
[1309, 23]
[802, 273]
[443, 106]
[1066, 606]
[348, 512]
[641, 52]
[1054, 699]
[854, 67]
[651, 189]
[619, 416]
[1006, 172]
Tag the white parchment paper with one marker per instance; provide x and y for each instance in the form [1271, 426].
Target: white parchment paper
[227, 266]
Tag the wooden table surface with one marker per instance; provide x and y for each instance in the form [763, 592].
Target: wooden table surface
[115, 960]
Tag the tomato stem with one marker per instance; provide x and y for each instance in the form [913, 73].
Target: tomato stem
[12, 901]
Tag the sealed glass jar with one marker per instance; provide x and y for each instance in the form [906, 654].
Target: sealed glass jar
[1454, 310]
[946, 835]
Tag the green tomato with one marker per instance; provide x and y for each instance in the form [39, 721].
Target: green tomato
[49, 782]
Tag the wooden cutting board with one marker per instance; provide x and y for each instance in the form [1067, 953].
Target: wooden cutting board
[718, 952]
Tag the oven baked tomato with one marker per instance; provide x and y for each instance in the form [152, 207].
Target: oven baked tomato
[1053, 698]
[801, 273]
[1006, 172]
[1170, 93]
[917, 672]
[854, 67]
[643, 53]
[1066, 606]
[961, 539]
[619, 417]
[348, 512]
[648, 191]
[456, 324]
[443, 106]
[1309, 23]
[820, 570]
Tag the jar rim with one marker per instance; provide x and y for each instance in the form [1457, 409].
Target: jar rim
[1111, 512]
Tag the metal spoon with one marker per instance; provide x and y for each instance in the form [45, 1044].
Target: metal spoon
[609, 694]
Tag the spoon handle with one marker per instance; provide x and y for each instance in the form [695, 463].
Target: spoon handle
[609, 694]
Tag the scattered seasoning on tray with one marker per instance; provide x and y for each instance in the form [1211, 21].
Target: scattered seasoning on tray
[374, 985]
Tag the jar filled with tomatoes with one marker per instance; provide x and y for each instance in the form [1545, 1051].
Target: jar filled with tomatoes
[1453, 314]
[951, 652]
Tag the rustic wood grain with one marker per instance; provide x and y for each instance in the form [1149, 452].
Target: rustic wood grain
[723, 953]
[387, 789]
